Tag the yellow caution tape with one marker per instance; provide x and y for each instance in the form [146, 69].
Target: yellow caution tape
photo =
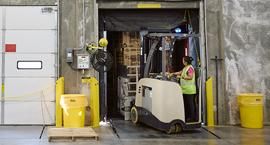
[30, 95]
[149, 6]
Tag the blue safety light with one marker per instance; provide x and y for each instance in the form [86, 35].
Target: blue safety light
[177, 30]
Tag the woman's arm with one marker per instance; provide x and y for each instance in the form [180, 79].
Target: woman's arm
[190, 74]
[178, 73]
[188, 77]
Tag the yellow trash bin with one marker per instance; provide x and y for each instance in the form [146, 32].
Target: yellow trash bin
[251, 110]
[73, 110]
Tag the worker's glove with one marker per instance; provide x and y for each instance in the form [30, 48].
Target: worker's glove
[167, 74]
[171, 75]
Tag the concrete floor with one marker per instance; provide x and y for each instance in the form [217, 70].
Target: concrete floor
[125, 133]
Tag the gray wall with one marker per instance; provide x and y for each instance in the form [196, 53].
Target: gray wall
[237, 31]
[247, 50]
[71, 26]
[214, 36]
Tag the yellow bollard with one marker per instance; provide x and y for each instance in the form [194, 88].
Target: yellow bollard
[94, 101]
[58, 109]
[209, 99]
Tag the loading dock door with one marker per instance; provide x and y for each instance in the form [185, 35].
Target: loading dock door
[30, 58]
[134, 20]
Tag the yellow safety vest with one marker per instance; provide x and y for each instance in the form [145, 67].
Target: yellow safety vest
[188, 86]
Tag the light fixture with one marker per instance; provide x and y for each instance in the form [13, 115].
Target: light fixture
[177, 30]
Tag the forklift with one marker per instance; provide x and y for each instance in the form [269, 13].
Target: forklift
[159, 100]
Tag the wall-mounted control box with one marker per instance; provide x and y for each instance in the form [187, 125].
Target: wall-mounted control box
[82, 61]
[69, 55]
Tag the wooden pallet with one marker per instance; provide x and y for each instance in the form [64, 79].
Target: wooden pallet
[72, 133]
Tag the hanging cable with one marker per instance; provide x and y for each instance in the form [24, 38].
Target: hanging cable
[193, 40]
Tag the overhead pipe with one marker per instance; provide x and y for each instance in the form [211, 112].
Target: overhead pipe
[58, 35]
[205, 38]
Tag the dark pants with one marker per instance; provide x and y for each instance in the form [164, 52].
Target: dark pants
[190, 107]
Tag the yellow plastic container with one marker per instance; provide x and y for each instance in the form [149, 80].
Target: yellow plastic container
[251, 110]
[73, 110]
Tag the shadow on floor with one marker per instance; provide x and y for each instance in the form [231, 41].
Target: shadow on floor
[128, 130]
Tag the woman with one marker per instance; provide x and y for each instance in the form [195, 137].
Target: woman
[187, 83]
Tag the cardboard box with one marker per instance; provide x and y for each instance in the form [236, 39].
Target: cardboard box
[132, 60]
[129, 53]
[130, 38]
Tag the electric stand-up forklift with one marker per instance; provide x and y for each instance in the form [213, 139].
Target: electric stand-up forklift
[159, 100]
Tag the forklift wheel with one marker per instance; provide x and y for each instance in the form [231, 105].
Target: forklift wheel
[172, 129]
[175, 128]
[179, 128]
[134, 115]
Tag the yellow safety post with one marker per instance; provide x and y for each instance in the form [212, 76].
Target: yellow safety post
[3, 88]
[209, 100]
[58, 109]
[94, 101]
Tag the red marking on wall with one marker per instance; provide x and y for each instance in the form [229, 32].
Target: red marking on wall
[10, 47]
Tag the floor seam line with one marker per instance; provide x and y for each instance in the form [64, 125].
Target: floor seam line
[218, 137]
[42, 131]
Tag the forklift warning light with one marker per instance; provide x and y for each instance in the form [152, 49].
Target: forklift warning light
[177, 30]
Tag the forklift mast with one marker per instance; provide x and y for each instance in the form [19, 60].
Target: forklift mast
[148, 51]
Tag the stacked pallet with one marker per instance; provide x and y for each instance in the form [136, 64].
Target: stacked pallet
[130, 49]
[71, 133]
[130, 58]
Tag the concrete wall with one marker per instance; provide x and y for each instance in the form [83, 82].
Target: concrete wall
[237, 32]
[247, 42]
[214, 36]
[72, 26]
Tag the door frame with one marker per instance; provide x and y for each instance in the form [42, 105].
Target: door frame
[202, 41]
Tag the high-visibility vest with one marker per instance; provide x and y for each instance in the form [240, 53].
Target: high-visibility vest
[188, 86]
